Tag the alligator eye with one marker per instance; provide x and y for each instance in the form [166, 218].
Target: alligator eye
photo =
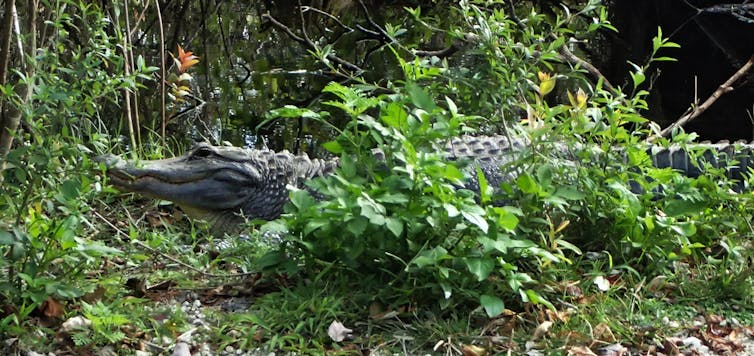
[202, 152]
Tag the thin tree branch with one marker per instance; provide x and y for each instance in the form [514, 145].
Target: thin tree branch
[9, 115]
[720, 91]
[163, 74]
[568, 56]
[311, 46]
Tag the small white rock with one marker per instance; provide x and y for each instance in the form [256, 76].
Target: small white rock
[692, 341]
[75, 323]
[181, 349]
[338, 332]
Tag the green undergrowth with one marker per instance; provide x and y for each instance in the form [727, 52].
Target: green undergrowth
[585, 238]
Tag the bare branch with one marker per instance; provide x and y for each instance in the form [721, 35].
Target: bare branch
[163, 74]
[311, 46]
[721, 90]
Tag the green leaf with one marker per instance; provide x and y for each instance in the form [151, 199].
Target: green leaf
[527, 184]
[684, 228]
[301, 199]
[451, 210]
[96, 248]
[484, 189]
[536, 298]
[447, 291]
[430, 257]
[395, 226]
[66, 232]
[394, 115]
[63, 290]
[544, 175]
[678, 207]
[475, 215]
[6, 238]
[492, 305]
[371, 210]
[347, 166]
[451, 106]
[392, 198]
[420, 98]
[569, 193]
[290, 111]
[480, 267]
[333, 146]
[505, 218]
[70, 189]
[270, 259]
[357, 225]
[316, 224]
[453, 174]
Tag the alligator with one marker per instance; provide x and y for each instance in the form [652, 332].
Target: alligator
[228, 185]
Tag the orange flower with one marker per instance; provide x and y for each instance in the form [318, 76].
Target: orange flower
[186, 59]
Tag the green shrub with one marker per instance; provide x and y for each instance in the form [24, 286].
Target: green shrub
[399, 216]
[46, 226]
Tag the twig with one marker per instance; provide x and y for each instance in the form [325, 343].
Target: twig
[328, 15]
[150, 249]
[130, 63]
[163, 74]
[138, 20]
[381, 31]
[133, 124]
[441, 53]
[721, 90]
[567, 55]
[311, 46]
[573, 59]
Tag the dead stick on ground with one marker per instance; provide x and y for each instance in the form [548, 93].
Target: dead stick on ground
[143, 245]
[721, 90]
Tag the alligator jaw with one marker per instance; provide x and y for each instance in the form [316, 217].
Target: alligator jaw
[207, 189]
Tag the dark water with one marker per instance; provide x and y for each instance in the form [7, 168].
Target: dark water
[248, 67]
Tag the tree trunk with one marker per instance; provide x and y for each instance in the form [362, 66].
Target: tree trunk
[10, 114]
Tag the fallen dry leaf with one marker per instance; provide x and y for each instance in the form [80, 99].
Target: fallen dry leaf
[338, 332]
[602, 332]
[473, 350]
[657, 284]
[51, 308]
[614, 350]
[94, 295]
[670, 346]
[580, 351]
[541, 330]
[559, 315]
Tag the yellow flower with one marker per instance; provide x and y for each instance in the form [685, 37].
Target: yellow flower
[546, 83]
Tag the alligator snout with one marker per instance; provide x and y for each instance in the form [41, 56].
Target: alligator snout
[110, 160]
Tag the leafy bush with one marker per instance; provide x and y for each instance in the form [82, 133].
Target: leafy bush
[45, 220]
[586, 180]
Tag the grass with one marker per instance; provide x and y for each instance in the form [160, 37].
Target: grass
[137, 304]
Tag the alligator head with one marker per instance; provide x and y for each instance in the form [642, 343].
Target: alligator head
[223, 185]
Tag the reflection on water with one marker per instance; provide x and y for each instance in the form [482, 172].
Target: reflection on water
[248, 67]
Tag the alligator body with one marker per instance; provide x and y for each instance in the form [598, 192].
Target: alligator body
[225, 185]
